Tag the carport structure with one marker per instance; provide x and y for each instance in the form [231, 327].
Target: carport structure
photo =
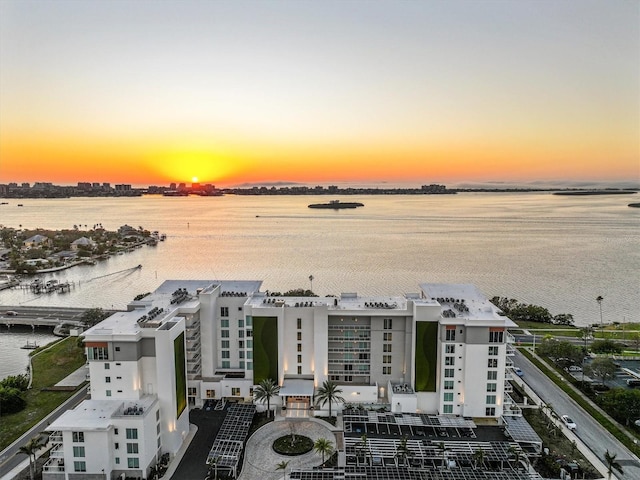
[228, 446]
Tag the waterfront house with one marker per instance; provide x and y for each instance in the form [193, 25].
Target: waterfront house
[83, 242]
[37, 241]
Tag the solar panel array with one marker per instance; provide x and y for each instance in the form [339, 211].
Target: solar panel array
[519, 429]
[404, 473]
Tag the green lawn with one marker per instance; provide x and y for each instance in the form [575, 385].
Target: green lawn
[49, 367]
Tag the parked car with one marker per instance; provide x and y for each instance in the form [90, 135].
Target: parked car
[518, 372]
[11, 313]
[575, 368]
[571, 425]
[633, 382]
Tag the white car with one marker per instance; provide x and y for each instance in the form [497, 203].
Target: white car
[571, 425]
[575, 368]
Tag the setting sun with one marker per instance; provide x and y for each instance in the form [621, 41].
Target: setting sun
[194, 179]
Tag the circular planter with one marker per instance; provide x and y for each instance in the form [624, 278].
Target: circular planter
[286, 446]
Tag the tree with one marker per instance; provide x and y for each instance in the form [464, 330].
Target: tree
[11, 400]
[21, 382]
[623, 404]
[403, 451]
[605, 346]
[31, 449]
[599, 299]
[478, 457]
[610, 462]
[283, 466]
[329, 392]
[516, 453]
[323, 447]
[443, 449]
[265, 390]
[362, 449]
[602, 368]
[93, 316]
[563, 319]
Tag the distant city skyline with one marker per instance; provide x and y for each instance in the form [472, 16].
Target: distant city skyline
[284, 92]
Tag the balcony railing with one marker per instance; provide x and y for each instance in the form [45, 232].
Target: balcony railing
[511, 351]
[510, 338]
[53, 465]
[57, 451]
[55, 437]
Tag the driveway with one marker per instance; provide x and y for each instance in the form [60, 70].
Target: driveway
[260, 460]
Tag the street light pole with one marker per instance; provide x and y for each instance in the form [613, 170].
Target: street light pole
[599, 300]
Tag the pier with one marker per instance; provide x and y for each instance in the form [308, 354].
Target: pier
[37, 286]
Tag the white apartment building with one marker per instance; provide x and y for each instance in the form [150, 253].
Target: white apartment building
[441, 350]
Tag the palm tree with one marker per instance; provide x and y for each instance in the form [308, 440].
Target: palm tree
[361, 448]
[324, 447]
[516, 452]
[444, 449]
[478, 457]
[31, 450]
[265, 390]
[283, 466]
[329, 392]
[403, 451]
[599, 300]
[610, 462]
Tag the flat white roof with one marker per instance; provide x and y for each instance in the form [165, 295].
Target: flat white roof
[297, 388]
[89, 415]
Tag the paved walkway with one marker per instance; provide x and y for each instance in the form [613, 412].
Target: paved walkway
[260, 460]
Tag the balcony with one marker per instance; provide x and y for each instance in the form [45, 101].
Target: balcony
[509, 363]
[53, 465]
[194, 348]
[508, 387]
[510, 338]
[511, 351]
[193, 358]
[194, 337]
[510, 407]
[57, 451]
[55, 437]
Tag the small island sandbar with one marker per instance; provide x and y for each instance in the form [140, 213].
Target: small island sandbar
[595, 192]
[337, 205]
[634, 205]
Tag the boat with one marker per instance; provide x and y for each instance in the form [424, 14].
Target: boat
[337, 205]
[30, 346]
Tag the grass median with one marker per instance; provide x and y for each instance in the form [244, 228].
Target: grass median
[49, 365]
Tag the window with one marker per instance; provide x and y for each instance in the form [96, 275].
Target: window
[241, 333]
[225, 344]
[492, 375]
[210, 393]
[490, 411]
[241, 354]
[348, 378]
[78, 451]
[449, 360]
[249, 333]
[235, 391]
[97, 353]
[491, 400]
[388, 324]
[118, 378]
[385, 370]
[387, 336]
[225, 354]
[386, 347]
[115, 431]
[224, 333]
[299, 347]
[226, 364]
[224, 312]
[117, 349]
[449, 372]
[107, 366]
[450, 335]
[107, 379]
[386, 359]
[492, 363]
[117, 445]
[496, 337]
[447, 409]
[299, 336]
[132, 448]
[158, 429]
[299, 323]
[118, 364]
[108, 393]
[158, 411]
[241, 363]
[448, 397]
[448, 384]
[240, 323]
[240, 343]
[493, 351]
[449, 349]
[299, 370]
[79, 466]
[249, 322]
[133, 462]
[249, 365]
[224, 323]
[117, 460]
[492, 387]
[132, 433]
[299, 358]
[250, 354]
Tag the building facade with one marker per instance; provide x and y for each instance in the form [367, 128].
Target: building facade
[441, 350]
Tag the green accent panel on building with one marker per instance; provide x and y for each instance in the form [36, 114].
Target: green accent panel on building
[265, 349]
[426, 356]
[181, 374]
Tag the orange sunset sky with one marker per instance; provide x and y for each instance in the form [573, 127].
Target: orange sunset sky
[241, 92]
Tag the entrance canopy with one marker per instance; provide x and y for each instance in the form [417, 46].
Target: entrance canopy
[297, 388]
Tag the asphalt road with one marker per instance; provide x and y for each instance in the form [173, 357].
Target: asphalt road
[9, 459]
[597, 438]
